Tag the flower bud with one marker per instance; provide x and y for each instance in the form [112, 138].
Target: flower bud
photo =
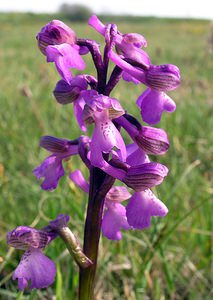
[163, 77]
[55, 33]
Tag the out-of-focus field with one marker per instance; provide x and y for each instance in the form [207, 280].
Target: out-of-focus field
[171, 260]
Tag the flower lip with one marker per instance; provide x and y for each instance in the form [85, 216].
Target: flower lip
[142, 206]
[36, 268]
[114, 220]
[152, 103]
[52, 170]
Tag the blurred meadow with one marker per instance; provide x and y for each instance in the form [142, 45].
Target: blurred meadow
[172, 259]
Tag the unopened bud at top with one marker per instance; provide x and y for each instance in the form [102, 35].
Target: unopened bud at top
[55, 33]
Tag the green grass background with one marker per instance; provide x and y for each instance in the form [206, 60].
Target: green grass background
[171, 260]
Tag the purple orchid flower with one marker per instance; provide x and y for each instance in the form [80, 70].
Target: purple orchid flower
[51, 168]
[58, 42]
[55, 33]
[114, 220]
[105, 154]
[34, 265]
[100, 110]
[152, 103]
[141, 207]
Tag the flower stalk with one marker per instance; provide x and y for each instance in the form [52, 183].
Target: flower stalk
[100, 184]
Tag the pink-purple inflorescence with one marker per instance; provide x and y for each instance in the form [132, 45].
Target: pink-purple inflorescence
[129, 205]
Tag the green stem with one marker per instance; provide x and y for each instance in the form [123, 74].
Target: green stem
[100, 183]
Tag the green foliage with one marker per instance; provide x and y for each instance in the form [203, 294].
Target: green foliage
[75, 12]
[171, 260]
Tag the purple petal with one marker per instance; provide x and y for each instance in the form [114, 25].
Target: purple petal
[137, 157]
[129, 78]
[139, 74]
[79, 104]
[36, 268]
[105, 138]
[97, 24]
[78, 178]
[152, 104]
[142, 206]
[52, 170]
[126, 47]
[65, 57]
[95, 104]
[114, 220]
